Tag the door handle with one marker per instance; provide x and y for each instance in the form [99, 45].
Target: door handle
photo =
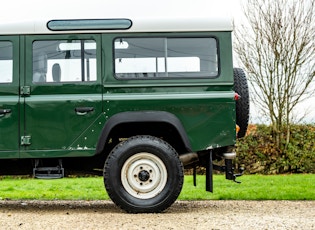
[83, 110]
[4, 112]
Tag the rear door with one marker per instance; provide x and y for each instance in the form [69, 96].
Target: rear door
[62, 95]
[9, 97]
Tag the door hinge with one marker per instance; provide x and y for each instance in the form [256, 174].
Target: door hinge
[25, 140]
[25, 90]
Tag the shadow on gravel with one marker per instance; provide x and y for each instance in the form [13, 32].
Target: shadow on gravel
[56, 206]
[96, 206]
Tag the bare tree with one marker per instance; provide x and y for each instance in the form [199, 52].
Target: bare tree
[276, 47]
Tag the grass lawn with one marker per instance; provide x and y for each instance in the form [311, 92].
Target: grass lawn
[253, 187]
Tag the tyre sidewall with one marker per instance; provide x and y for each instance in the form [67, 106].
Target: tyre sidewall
[127, 149]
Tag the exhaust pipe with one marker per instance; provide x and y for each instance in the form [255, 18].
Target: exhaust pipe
[189, 158]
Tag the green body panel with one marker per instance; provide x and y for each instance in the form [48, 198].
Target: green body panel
[205, 107]
[9, 127]
[207, 117]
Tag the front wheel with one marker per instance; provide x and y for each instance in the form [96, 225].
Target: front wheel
[143, 174]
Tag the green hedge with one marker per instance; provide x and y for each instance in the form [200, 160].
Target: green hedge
[258, 152]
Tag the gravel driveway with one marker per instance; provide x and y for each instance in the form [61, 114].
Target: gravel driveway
[182, 215]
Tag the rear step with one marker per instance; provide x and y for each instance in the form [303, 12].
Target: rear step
[48, 172]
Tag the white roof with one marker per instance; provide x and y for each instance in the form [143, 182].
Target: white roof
[31, 16]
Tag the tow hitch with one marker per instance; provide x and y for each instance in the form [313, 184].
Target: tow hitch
[227, 168]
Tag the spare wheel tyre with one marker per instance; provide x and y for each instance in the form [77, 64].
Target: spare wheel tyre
[242, 105]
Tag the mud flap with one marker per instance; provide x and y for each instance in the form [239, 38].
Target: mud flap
[209, 173]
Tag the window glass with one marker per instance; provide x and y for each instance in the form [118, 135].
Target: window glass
[6, 62]
[165, 57]
[64, 61]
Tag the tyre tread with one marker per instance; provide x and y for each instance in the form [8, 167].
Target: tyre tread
[242, 105]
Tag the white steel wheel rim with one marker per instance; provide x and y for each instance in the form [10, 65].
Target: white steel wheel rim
[144, 175]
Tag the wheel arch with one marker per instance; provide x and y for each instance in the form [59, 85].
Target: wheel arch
[145, 119]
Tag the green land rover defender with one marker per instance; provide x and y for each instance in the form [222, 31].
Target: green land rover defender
[143, 91]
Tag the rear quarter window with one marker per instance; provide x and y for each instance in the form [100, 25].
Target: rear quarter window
[153, 58]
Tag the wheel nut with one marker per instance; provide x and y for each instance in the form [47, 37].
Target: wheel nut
[144, 175]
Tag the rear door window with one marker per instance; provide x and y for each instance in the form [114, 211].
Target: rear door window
[64, 61]
[6, 62]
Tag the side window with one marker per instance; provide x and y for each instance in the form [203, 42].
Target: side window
[64, 61]
[6, 62]
[166, 57]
